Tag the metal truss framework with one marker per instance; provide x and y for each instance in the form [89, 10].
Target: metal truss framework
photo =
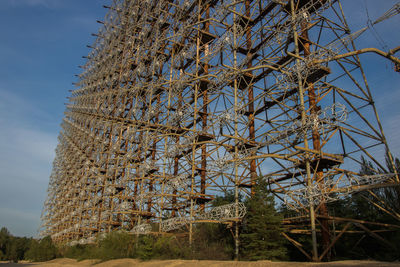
[182, 100]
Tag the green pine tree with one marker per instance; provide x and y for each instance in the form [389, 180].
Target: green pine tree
[261, 235]
[359, 206]
[5, 238]
[43, 250]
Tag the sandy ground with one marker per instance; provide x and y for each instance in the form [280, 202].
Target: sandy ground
[194, 263]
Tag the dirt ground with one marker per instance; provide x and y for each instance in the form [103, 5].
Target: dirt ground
[195, 263]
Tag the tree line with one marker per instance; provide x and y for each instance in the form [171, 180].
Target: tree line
[260, 233]
[15, 248]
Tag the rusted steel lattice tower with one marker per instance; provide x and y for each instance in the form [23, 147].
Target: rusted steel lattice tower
[183, 100]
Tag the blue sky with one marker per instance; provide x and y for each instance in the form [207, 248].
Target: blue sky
[41, 45]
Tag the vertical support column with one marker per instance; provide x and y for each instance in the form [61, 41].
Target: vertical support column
[176, 159]
[195, 114]
[176, 170]
[235, 84]
[253, 167]
[312, 98]
[303, 121]
[204, 114]
[110, 197]
[141, 151]
[153, 158]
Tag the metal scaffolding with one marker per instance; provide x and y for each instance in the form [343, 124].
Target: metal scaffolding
[182, 100]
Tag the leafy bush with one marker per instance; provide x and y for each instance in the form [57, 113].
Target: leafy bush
[82, 252]
[168, 247]
[212, 242]
[42, 250]
[145, 248]
[116, 245]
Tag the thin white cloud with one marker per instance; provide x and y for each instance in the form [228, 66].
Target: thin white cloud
[33, 143]
[26, 155]
[391, 126]
[387, 104]
[16, 221]
[33, 3]
[16, 110]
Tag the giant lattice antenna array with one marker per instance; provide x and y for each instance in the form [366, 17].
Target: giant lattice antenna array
[180, 101]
